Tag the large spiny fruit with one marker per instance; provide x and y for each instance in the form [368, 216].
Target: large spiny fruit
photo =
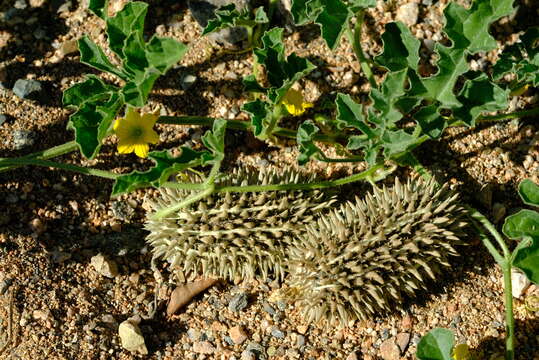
[235, 235]
[363, 258]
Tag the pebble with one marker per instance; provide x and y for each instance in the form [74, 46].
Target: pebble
[122, 211]
[402, 340]
[203, 347]
[237, 334]
[268, 308]
[248, 355]
[187, 81]
[277, 333]
[104, 266]
[389, 350]
[24, 88]
[519, 282]
[23, 139]
[256, 348]
[20, 4]
[131, 337]
[3, 119]
[352, 356]
[408, 13]
[68, 47]
[300, 340]
[238, 302]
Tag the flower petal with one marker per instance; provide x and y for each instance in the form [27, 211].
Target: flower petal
[151, 137]
[142, 150]
[126, 148]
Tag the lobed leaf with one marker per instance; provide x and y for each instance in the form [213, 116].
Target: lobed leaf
[214, 140]
[401, 48]
[521, 58]
[527, 258]
[260, 113]
[99, 7]
[227, 16]
[529, 192]
[522, 224]
[304, 138]
[127, 22]
[97, 105]
[92, 55]
[163, 53]
[437, 344]
[165, 165]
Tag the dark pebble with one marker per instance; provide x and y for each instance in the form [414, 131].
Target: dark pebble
[238, 302]
[24, 88]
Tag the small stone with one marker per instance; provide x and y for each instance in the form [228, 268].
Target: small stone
[300, 340]
[519, 282]
[3, 119]
[122, 210]
[24, 88]
[23, 139]
[237, 334]
[271, 351]
[203, 347]
[238, 302]
[68, 47]
[20, 4]
[402, 340]
[193, 334]
[302, 329]
[104, 266]
[59, 257]
[352, 356]
[407, 322]
[408, 13]
[267, 308]
[248, 355]
[389, 350]
[256, 348]
[277, 333]
[187, 81]
[131, 337]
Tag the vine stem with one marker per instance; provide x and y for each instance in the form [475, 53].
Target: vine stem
[505, 263]
[355, 39]
[57, 165]
[190, 200]
[500, 117]
[43, 154]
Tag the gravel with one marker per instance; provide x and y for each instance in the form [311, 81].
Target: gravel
[53, 222]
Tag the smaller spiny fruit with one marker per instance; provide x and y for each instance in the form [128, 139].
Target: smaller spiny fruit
[364, 257]
[236, 235]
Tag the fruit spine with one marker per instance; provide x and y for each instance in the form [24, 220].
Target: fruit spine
[233, 235]
[364, 257]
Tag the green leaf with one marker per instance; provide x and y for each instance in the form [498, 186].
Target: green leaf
[127, 22]
[350, 114]
[477, 96]
[92, 89]
[134, 58]
[165, 165]
[282, 72]
[395, 142]
[430, 120]
[333, 20]
[92, 121]
[302, 12]
[384, 99]
[522, 224]
[260, 113]
[136, 92]
[214, 140]
[401, 48]
[163, 53]
[92, 55]
[436, 345]
[529, 192]
[356, 5]
[304, 138]
[227, 16]
[99, 7]
[251, 84]
[527, 258]
[521, 58]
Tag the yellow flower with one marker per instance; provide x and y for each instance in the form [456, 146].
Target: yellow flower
[461, 352]
[135, 132]
[294, 102]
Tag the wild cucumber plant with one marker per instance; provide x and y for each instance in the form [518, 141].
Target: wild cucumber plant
[374, 132]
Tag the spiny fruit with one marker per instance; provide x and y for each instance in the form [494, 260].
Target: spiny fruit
[235, 235]
[363, 258]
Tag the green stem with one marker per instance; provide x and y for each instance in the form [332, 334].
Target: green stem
[209, 188]
[239, 125]
[499, 117]
[43, 154]
[53, 164]
[505, 263]
[355, 39]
